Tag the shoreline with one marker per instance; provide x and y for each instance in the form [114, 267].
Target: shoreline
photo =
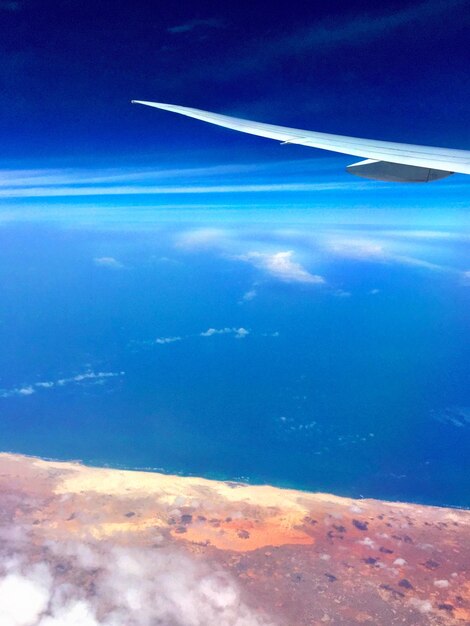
[248, 482]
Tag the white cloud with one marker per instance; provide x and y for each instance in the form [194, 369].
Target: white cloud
[108, 261]
[382, 251]
[203, 238]
[341, 293]
[128, 587]
[215, 331]
[249, 295]
[119, 190]
[28, 390]
[23, 598]
[164, 340]
[282, 266]
[355, 248]
[239, 333]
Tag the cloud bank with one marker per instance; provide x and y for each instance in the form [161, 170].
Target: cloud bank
[98, 584]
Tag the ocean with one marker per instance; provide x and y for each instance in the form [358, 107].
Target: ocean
[325, 358]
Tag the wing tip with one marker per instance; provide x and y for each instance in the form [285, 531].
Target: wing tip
[158, 105]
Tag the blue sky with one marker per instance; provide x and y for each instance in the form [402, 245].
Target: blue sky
[394, 71]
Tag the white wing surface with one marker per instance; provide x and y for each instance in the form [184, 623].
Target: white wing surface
[385, 160]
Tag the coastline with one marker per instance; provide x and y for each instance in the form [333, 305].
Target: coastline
[389, 562]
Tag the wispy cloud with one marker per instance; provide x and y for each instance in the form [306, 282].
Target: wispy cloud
[29, 389]
[109, 262]
[380, 251]
[282, 266]
[222, 178]
[133, 190]
[249, 295]
[196, 24]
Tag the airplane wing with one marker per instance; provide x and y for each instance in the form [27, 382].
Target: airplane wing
[384, 160]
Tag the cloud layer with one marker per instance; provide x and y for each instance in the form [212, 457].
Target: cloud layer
[98, 584]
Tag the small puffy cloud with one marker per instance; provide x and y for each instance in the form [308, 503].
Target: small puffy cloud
[282, 266]
[165, 340]
[210, 332]
[239, 333]
[28, 390]
[109, 262]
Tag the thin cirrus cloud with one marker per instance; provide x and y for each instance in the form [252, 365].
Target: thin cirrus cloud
[108, 262]
[30, 389]
[133, 190]
[378, 250]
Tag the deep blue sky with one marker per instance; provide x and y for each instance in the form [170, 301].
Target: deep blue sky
[392, 70]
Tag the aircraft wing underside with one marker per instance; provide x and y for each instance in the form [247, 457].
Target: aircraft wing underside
[384, 160]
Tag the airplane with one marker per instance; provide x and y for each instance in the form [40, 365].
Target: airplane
[384, 160]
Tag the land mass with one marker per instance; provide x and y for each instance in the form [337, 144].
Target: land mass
[131, 547]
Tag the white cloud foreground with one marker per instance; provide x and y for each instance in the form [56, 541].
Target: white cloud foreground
[114, 586]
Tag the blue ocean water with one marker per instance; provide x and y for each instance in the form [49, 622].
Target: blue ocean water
[328, 359]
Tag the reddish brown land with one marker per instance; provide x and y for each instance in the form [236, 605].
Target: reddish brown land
[129, 546]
